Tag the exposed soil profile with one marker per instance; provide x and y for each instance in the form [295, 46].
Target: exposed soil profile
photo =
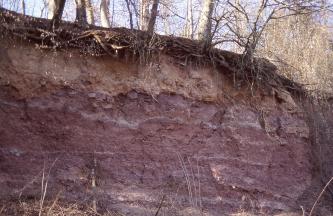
[131, 138]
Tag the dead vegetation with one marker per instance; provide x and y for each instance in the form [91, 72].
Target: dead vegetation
[301, 52]
[52, 208]
[122, 42]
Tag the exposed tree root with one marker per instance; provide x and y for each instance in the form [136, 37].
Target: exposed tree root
[94, 40]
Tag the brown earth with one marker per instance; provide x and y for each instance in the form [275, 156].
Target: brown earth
[144, 132]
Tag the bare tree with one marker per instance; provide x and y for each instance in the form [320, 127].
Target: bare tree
[153, 15]
[128, 4]
[84, 12]
[43, 11]
[56, 9]
[133, 3]
[89, 12]
[81, 16]
[165, 17]
[301, 49]
[255, 21]
[52, 8]
[112, 14]
[23, 6]
[104, 10]
[189, 20]
[144, 14]
[205, 24]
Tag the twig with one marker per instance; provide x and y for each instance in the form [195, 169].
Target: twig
[44, 187]
[54, 203]
[187, 178]
[321, 193]
[328, 188]
[1, 210]
[160, 205]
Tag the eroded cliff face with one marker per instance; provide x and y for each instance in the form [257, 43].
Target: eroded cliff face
[147, 132]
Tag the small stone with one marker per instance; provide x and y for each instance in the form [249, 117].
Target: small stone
[132, 95]
[92, 95]
[107, 106]
[15, 152]
[72, 93]
[42, 82]
[95, 105]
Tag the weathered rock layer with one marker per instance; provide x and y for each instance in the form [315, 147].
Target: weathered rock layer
[147, 132]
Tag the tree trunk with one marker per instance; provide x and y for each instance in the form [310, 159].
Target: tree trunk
[104, 10]
[205, 24]
[112, 14]
[166, 23]
[144, 14]
[136, 12]
[52, 7]
[89, 12]
[189, 20]
[153, 16]
[81, 16]
[23, 7]
[130, 13]
[240, 25]
[56, 8]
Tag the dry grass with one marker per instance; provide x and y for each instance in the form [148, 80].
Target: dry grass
[320, 195]
[55, 208]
